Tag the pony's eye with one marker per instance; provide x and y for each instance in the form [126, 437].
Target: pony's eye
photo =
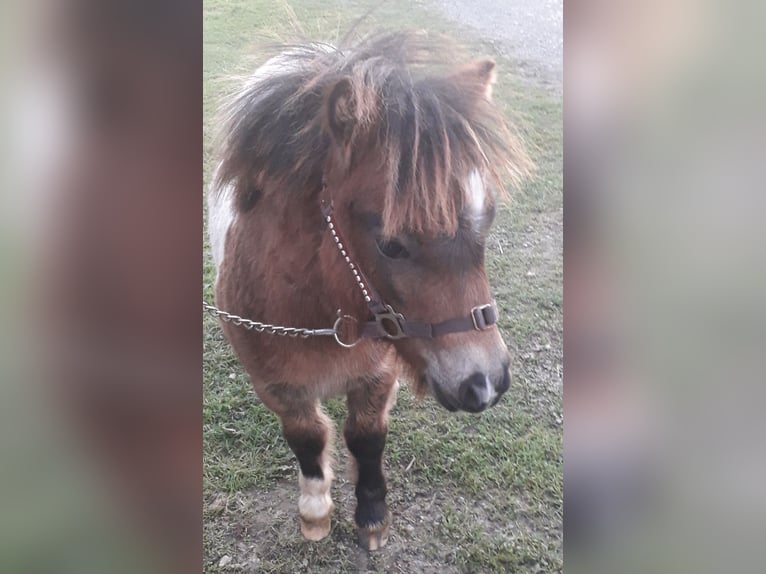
[392, 249]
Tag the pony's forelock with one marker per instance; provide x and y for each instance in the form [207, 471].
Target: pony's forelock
[413, 110]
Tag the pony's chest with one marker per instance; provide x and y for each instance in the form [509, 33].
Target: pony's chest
[331, 372]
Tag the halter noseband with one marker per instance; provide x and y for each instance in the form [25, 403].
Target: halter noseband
[386, 323]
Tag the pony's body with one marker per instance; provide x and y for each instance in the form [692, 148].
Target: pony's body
[268, 278]
[404, 162]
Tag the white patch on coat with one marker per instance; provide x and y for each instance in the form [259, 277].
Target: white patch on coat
[476, 197]
[220, 217]
[221, 210]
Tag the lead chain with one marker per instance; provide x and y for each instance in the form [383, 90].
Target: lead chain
[266, 327]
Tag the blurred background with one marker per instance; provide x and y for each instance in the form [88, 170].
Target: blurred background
[100, 413]
[664, 253]
[664, 277]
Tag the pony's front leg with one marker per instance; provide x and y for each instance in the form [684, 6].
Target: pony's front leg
[309, 433]
[365, 432]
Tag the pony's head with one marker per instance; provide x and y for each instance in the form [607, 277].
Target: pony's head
[415, 157]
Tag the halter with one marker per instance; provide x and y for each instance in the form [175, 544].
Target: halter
[386, 323]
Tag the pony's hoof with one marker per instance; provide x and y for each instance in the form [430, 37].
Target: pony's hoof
[375, 537]
[315, 530]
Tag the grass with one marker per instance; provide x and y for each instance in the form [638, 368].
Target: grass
[468, 493]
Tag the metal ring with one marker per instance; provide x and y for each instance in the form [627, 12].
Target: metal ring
[335, 326]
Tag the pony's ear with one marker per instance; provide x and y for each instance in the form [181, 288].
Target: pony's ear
[340, 107]
[478, 77]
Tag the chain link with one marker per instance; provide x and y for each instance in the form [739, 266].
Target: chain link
[266, 327]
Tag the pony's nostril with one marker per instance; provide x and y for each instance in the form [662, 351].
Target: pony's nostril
[474, 393]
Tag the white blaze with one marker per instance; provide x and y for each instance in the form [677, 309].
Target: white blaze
[476, 197]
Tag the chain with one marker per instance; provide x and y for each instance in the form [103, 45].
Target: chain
[266, 327]
[295, 331]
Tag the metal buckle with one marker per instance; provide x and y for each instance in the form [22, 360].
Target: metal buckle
[391, 323]
[480, 309]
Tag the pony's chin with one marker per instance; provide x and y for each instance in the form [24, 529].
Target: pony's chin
[439, 395]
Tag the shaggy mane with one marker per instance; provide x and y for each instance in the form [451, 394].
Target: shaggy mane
[427, 126]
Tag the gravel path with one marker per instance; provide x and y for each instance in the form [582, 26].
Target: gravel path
[531, 31]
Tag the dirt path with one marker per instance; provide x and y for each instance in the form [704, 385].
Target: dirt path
[531, 31]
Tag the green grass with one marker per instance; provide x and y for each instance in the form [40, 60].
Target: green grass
[468, 493]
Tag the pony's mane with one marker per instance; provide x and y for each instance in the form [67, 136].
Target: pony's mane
[411, 108]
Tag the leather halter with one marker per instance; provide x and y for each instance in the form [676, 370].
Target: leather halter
[386, 323]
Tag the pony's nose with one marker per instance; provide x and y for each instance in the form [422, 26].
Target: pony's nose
[475, 393]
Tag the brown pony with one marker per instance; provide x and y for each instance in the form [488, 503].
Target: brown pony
[354, 189]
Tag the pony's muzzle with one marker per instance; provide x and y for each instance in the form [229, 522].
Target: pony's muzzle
[476, 393]
[479, 391]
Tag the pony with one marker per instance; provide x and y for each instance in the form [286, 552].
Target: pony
[355, 188]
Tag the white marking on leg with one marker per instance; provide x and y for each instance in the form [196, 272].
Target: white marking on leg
[315, 503]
